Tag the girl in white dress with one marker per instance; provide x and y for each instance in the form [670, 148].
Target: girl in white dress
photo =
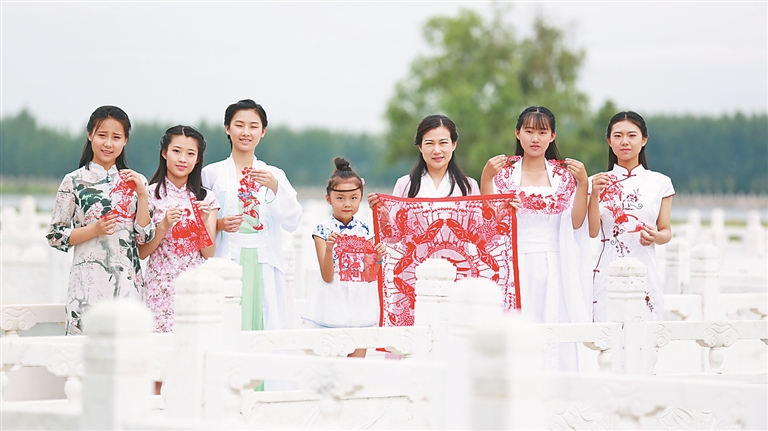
[629, 209]
[354, 302]
[554, 278]
[257, 203]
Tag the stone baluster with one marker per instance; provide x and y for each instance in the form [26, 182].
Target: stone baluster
[289, 257]
[508, 381]
[197, 330]
[232, 291]
[717, 337]
[28, 215]
[474, 300]
[705, 279]
[435, 282]
[755, 235]
[117, 385]
[717, 228]
[676, 251]
[627, 305]
[694, 226]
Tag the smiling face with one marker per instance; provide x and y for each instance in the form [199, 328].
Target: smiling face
[534, 140]
[181, 157]
[437, 148]
[626, 140]
[245, 131]
[345, 203]
[107, 142]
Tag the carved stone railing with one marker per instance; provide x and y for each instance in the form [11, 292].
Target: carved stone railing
[23, 317]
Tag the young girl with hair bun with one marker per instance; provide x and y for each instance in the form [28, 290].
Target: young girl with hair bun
[552, 235]
[102, 212]
[629, 209]
[348, 294]
[185, 216]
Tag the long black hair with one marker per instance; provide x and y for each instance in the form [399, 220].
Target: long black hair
[638, 121]
[538, 118]
[344, 172]
[455, 173]
[195, 179]
[101, 114]
[241, 105]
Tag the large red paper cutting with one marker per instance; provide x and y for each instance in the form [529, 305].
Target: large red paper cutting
[477, 234]
[357, 258]
[189, 234]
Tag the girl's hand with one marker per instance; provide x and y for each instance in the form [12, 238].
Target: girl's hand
[106, 225]
[599, 183]
[648, 235]
[133, 176]
[230, 223]
[204, 208]
[331, 241]
[373, 199]
[265, 178]
[494, 165]
[576, 168]
[516, 203]
[172, 216]
[381, 250]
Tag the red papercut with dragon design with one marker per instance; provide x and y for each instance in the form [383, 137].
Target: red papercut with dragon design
[248, 195]
[189, 234]
[477, 234]
[357, 258]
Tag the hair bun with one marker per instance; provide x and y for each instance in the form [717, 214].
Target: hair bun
[342, 164]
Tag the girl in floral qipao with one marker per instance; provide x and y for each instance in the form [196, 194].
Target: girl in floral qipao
[629, 209]
[102, 213]
[185, 216]
[552, 236]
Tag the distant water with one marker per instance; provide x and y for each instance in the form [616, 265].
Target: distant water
[679, 212]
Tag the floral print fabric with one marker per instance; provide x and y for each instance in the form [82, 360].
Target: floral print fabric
[106, 266]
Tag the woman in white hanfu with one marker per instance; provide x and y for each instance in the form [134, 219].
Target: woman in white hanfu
[257, 202]
[629, 209]
[552, 236]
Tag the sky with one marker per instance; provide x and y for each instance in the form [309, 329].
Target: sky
[335, 65]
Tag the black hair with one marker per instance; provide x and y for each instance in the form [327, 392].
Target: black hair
[98, 116]
[455, 173]
[538, 118]
[195, 179]
[638, 121]
[240, 106]
[343, 173]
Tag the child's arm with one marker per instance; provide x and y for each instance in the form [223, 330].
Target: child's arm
[490, 170]
[369, 267]
[324, 248]
[209, 218]
[172, 215]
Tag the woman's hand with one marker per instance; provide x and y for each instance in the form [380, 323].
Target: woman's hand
[516, 203]
[373, 199]
[134, 177]
[648, 235]
[599, 183]
[172, 216]
[494, 165]
[230, 223]
[265, 178]
[204, 208]
[106, 225]
[576, 168]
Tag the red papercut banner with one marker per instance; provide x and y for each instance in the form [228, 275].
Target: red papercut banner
[121, 196]
[248, 195]
[357, 258]
[477, 234]
[189, 234]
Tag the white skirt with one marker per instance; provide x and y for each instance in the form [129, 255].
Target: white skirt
[342, 304]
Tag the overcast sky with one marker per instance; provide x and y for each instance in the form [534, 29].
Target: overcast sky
[335, 65]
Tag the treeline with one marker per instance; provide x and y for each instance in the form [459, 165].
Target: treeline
[726, 154]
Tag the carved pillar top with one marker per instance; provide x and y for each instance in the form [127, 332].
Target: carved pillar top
[435, 277]
[626, 275]
[705, 259]
[230, 272]
[120, 317]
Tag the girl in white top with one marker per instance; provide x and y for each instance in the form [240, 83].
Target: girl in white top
[554, 278]
[335, 303]
[629, 208]
[251, 217]
[436, 174]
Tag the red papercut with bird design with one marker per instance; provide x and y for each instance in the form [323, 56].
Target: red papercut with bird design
[477, 234]
[121, 196]
[248, 195]
[357, 258]
[189, 234]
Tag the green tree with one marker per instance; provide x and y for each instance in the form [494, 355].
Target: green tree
[482, 76]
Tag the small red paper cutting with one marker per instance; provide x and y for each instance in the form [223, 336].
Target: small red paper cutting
[121, 196]
[477, 234]
[189, 234]
[248, 195]
[357, 258]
